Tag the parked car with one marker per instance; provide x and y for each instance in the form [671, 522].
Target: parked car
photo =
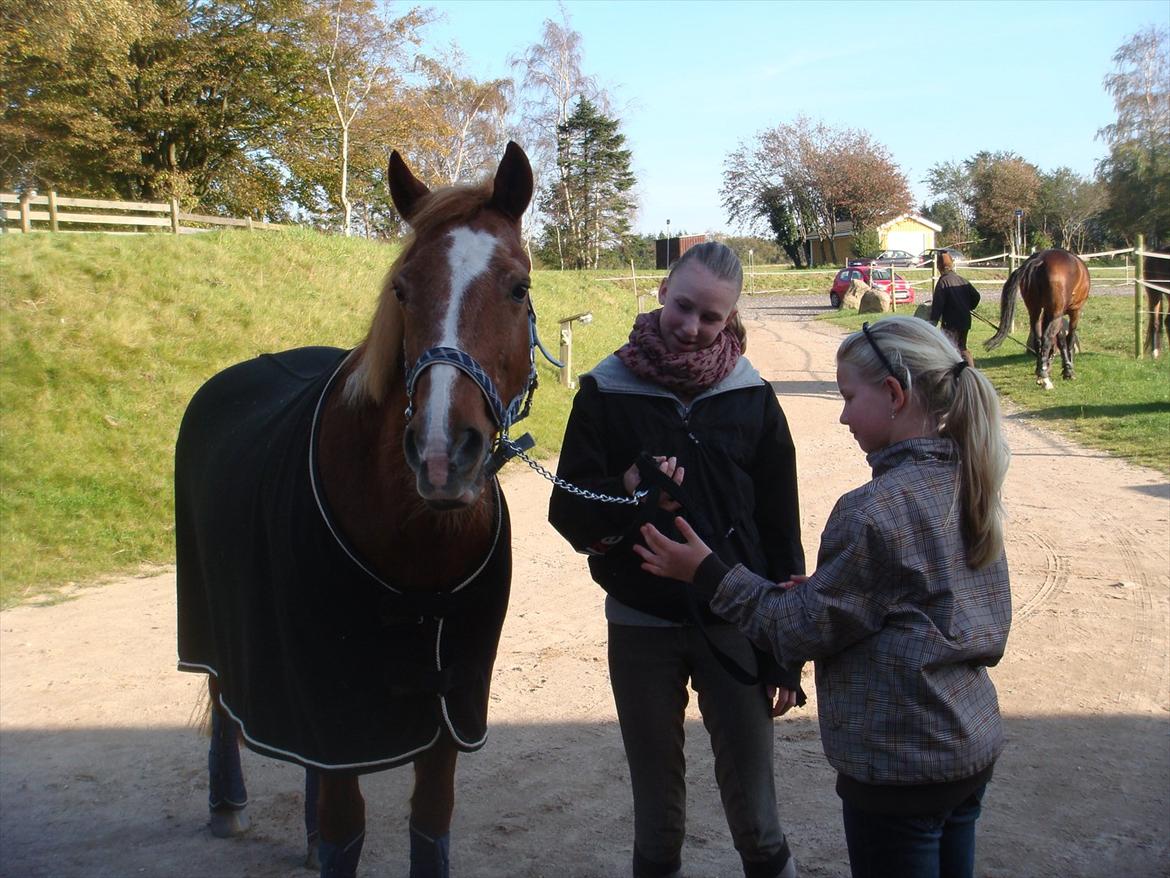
[900, 258]
[925, 258]
[876, 277]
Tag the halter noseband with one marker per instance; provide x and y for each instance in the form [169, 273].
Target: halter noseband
[520, 405]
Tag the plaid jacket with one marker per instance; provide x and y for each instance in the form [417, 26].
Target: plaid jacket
[901, 629]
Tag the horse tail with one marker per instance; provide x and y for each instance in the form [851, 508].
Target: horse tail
[1007, 309]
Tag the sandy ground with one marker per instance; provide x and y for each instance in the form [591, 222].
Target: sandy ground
[100, 775]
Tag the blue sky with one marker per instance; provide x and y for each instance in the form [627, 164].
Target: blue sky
[931, 82]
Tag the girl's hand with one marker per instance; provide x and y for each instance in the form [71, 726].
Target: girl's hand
[797, 579]
[669, 467]
[664, 557]
[782, 700]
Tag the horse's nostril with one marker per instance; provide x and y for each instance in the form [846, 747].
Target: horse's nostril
[468, 449]
[410, 448]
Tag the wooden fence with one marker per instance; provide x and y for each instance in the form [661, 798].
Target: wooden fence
[55, 211]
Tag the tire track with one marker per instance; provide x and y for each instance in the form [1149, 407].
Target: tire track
[1056, 574]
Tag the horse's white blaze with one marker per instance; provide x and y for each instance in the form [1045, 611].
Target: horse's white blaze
[468, 258]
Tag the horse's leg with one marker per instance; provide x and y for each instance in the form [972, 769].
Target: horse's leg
[1042, 329]
[341, 816]
[1070, 346]
[312, 824]
[431, 806]
[227, 795]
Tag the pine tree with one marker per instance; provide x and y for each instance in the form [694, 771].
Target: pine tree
[590, 204]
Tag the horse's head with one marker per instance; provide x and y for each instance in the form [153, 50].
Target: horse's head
[462, 285]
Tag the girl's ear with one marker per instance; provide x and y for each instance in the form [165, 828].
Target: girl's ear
[662, 291]
[898, 398]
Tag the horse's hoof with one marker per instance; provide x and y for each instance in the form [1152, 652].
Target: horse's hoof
[1046, 383]
[312, 857]
[228, 824]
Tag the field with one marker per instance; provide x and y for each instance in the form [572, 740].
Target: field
[103, 339]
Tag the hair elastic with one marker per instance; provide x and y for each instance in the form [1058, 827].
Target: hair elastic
[905, 385]
[958, 368]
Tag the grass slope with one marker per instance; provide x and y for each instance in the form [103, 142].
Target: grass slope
[103, 340]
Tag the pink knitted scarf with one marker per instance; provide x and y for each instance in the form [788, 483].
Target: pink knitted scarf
[688, 373]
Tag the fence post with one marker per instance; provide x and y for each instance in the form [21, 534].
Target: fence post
[53, 211]
[249, 219]
[634, 280]
[174, 215]
[1011, 261]
[1139, 275]
[25, 222]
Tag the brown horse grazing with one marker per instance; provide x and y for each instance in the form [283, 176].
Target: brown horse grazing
[344, 551]
[1053, 283]
[1157, 271]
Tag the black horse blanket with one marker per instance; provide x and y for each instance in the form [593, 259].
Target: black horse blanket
[319, 660]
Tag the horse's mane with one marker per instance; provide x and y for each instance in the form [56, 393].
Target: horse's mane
[379, 356]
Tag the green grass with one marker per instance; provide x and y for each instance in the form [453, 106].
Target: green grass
[1117, 403]
[103, 340]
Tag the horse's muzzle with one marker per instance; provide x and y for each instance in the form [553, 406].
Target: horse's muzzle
[450, 476]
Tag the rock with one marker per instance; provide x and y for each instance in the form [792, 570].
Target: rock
[875, 302]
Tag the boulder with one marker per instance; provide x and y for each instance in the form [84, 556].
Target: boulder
[853, 294]
[922, 312]
[875, 302]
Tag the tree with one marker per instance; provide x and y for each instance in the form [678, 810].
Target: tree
[825, 175]
[365, 50]
[1137, 170]
[552, 80]
[590, 208]
[463, 122]
[1066, 204]
[145, 101]
[1001, 184]
[953, 211]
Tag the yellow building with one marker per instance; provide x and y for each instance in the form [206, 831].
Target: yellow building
[909, 232]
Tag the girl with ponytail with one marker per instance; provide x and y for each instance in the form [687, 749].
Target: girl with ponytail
[908, 607]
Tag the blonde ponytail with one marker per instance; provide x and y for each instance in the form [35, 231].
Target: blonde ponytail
[963, 403]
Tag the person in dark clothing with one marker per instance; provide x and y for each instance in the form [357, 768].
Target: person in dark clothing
[681, 397]
[954, 300]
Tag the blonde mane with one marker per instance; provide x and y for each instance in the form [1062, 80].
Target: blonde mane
[379, 356]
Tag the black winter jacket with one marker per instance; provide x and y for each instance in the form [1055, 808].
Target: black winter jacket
[734, 443]
[954, 300]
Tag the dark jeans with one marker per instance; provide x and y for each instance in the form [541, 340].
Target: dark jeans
[941, 846]
[649, 670]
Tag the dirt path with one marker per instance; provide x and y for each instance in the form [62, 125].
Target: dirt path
[99, 775]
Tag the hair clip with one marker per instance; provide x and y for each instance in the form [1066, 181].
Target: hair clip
[904, 384]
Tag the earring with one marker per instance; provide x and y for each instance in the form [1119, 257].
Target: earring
[893, 414]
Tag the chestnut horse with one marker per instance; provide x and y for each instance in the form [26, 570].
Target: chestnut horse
[1157, 271]
[1054, 284]
[344, 551]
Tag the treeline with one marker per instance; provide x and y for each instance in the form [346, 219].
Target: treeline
[286, 110]
[804, 178]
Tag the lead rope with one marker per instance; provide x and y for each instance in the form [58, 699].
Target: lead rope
[509, 448]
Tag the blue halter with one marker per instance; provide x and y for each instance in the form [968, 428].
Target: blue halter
[520, 405]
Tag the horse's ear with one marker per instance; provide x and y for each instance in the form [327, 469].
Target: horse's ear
[406, 190]
[513, 185]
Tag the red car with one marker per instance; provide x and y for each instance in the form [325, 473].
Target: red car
[875, 276]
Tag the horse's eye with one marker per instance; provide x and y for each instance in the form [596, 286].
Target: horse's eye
[398, 292]
[519, 292]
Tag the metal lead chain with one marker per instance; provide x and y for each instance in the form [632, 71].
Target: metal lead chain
[565, 486]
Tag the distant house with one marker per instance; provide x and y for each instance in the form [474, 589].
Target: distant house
[909, 232]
